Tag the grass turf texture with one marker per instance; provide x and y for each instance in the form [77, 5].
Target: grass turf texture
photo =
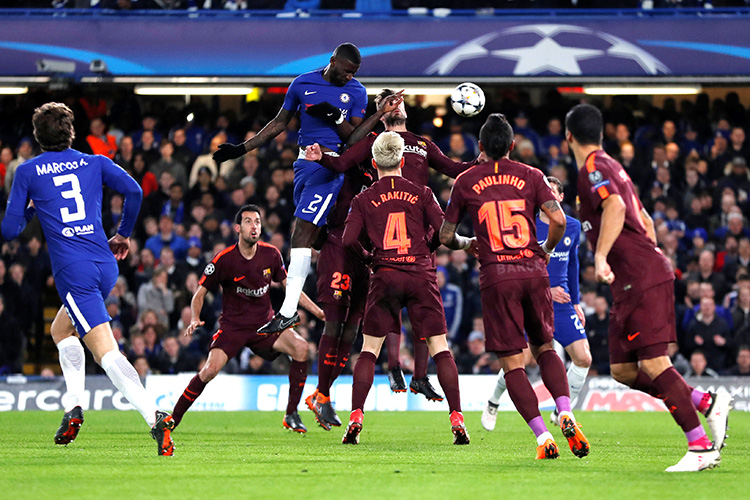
[401, 455]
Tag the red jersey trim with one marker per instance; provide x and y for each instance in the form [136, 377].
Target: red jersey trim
[591, 167]
[222, 253]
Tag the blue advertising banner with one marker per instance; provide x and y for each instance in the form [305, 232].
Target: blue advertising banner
[428, 47]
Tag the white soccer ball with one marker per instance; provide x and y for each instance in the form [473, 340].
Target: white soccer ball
[467, 99]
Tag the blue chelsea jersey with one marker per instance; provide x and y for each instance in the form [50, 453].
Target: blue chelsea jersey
[66, 188]
[311, 88]
[563, 263]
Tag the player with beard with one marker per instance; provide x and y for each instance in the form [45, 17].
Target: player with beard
[332, 107]
[397, 215]
[642, 319]
[419, 155]
[502, 198]
[245, 271]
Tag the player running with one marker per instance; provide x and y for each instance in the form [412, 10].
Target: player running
[642, 321]
[64, 187]
[502, 196]
[245, 271]
[569, 317]
[397, 215]
[343, 282]
[334, 105]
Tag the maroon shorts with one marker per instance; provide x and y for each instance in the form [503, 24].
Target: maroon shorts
[511, 307]
[390, 291]
[642, 327]
[343, 281]
[232, 339]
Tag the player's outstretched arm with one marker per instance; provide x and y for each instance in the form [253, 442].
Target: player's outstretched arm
[356, 130]
[613, 220]
[196, 305]
[272, 129]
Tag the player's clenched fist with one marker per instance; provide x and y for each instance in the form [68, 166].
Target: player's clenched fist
[228, 151]
[604, 273]
[313, 152]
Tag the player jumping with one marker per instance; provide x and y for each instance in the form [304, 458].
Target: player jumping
[64, 187]
[397, 215]
[334, 106]
[502, 196]
[642, 320]
[569, 318]
[245, 271]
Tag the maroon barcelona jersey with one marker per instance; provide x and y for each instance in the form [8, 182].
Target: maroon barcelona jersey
[502, 198]
[244, 284]
[634, 258]
[397, 215]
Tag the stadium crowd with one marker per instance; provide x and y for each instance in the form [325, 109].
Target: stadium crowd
[689, 160]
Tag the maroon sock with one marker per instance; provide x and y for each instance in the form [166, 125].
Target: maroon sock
[553, 372]
[327, 353]
[297, 377]
[393, 346]
[364, 371]
[644, 383]
[421, 358]
[448, 377]
[190, 394]
[522, 394]
[678, 399]
[345, 349]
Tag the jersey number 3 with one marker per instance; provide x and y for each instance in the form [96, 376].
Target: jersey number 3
[505, 228]
[395, 237]
[73, 193]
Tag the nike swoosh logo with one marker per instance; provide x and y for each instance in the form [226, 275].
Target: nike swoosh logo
[239, 279]
[631, 337]
[310, 93]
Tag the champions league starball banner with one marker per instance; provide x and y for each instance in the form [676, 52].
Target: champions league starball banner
[415, 47]
[270, 393]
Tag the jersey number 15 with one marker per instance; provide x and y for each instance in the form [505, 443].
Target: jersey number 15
[505, 226]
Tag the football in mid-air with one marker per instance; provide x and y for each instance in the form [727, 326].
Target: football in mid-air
[467, 99]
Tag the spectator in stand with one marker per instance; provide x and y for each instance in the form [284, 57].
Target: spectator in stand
[679, 362]
[475, 360]
[167, 237]
[182, 153]
[690, 143]
[167, 162]
[742, 367]
[204, 185]
[141, 366]
[12, 342]
[718, 155]
[706, 273]
[25, 152]
[137, 347]
[175, 205]
[710, 334]
[735, 227]
[157, 295]
[627, 160]
[597, 328]
[140, 173]
[207, 161]
[699, 366]
[195, 261]
[525, 153]
[174, 359]
[149, 147]
[736, 177]
[151, 337]
[148, 125]
[521, 127]
[6, 156]
[100, 142]
[554, 135]
[175, 278]
[452, 304]
[738, 144]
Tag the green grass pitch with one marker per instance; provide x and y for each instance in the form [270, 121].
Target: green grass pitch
[401, 456]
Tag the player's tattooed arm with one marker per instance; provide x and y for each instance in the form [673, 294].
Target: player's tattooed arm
[450, 239]
[648, 223]
[357, 130]
[557, 223]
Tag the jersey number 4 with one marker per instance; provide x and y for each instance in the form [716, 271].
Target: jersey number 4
[73, 193]
[505, 226]
[395, 237]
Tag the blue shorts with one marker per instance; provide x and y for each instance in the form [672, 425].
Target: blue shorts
[315, 191]
[83, 286]
[568, 327]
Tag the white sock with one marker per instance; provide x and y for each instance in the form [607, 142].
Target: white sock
[73, 364]
[543, 437]
[499, 388]
[576, 379]
[123, 375]
[299, 267]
